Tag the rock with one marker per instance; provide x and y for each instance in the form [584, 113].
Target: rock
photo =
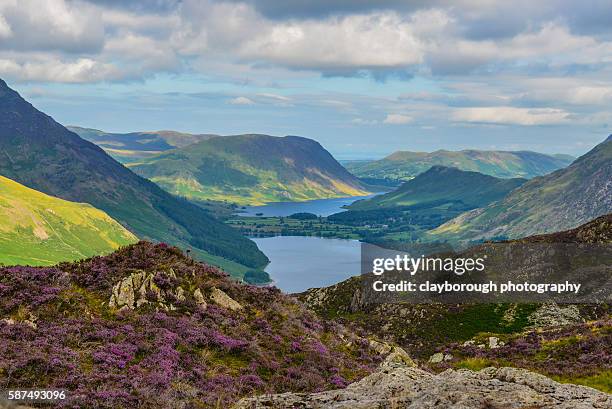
[469, 343]
[448, 357]
[413, 388]
[180, 294]
[356, 301]
[493, 342]
[199, 298]
[381, 348]
[131, 292]
[224, 300]
[552, 315]
[436, 358]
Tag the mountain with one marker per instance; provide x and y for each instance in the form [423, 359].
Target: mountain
[128, 147]
[147, 327]
[40, 153]
[561, 200]
[404, 165]
[443, 183]
[251, 169]
[38, 229]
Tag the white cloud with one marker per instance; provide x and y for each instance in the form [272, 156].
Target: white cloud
[397, 119]
[380, 40]
[80, 71]
[241, 101]
[511, 115]
[363, 121]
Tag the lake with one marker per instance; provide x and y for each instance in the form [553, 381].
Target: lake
[320, 207]
[298, 263]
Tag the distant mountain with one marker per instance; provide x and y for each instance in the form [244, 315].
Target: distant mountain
[128, 147]
[38, 229]
[441, 183]
[251, 169]
[40, 153]
[561, 200]
[404, 165]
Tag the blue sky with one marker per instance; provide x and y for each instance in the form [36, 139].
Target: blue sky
[364, 78]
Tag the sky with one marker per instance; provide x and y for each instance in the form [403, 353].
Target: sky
[364, 78]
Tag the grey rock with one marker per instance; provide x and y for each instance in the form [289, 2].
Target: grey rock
[224, 300]
[436, 358]
[199, 298]
[413, 388]
[552, 315]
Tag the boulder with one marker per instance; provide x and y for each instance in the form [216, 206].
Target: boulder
[224, 300]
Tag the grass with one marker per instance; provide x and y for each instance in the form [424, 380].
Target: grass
[39, 229]
[601, 381]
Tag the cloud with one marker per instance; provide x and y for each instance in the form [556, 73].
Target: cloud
[82, 70]
[511, 116]
[350, 43]
[364, 121]
[397, 119]
[241, 101]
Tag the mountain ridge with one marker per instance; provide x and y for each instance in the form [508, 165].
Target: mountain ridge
[558, 201]
[251, 169]
[403, 165]
[444, 183]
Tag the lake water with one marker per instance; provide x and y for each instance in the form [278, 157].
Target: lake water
[321, 207]
[300, 263]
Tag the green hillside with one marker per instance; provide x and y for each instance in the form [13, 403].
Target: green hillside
[251, 169]
[38, 229]
[404, 165]
[561, 200]
[128, 147]
[40, 153]
[441, 183]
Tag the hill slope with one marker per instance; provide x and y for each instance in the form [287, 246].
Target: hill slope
[251, 169]
[561, 200]
[147, 327]
[41, 154]
[403, 165]
[38, 229]
[443, 183]
[127, 147]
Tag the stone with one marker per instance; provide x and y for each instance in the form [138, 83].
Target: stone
[413, 388]
[436, 358]
[224, 300]
[448, 357]
[550, 314]
[493, 342]
[199, 298]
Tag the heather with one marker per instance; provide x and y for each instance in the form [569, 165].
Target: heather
[577, 353]
[57, 330]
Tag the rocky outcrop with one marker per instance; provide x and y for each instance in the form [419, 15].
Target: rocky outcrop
[131, 292]
[139, 288]
[401, 386]
[224, 300]
[552, 315]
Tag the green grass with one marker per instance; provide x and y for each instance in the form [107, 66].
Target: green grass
[38, 229]
[601, 381]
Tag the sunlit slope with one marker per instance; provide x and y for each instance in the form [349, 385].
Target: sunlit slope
[251, 169]
[37, 229]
